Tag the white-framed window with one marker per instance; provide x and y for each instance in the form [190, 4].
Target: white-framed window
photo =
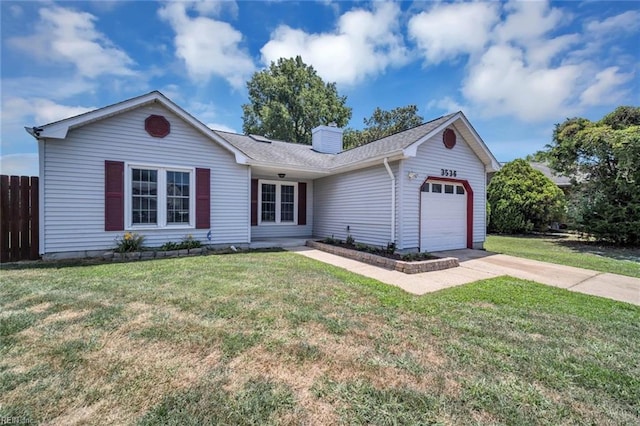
[277, 202]
[159, 197]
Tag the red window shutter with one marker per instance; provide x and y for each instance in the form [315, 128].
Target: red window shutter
[254, 202]
[113, 195]
[203, 198]
[302, 203]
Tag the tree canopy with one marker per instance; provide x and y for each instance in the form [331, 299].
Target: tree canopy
[288, 99]
[604, 159]
[523, 199]
[383, 123]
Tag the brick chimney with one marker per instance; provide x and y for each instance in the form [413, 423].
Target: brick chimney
[327, 139]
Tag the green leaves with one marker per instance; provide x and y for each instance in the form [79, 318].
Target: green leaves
[289, 99]
[523, 199]
[604, 158]
[383, 123]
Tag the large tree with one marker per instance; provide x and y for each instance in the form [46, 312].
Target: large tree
[288, 99]
[604, 159]
[523, 199]
[383, 123]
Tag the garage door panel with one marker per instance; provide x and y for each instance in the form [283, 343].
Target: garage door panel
[443, 221]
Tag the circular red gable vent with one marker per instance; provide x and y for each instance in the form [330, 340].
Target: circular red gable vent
[449, 138]
[157, 126]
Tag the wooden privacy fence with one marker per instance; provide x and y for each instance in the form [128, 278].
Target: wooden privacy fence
[19, 226]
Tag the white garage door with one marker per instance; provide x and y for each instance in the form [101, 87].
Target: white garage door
[443, 217]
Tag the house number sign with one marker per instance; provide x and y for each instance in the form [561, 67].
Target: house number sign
[448, 172]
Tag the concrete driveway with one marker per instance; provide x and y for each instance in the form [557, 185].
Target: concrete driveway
[477, 265]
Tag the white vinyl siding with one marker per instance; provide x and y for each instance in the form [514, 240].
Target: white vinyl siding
[431, 158]
[73, 179]
[360, 200]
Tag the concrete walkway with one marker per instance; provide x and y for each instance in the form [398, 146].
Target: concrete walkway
[477, 265]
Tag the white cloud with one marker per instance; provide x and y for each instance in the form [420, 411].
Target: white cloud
[208, 113]
[626, 22]
[214, 8]
[70, 37]
[606, 88]
[43, 111]
[19, 164]
[16, 11]
[541, 52]
[449, 30]
[528, 20]
[221, 127]
[503, 84]
[207, 46]
[363, 44]
[447, 104]
[526, 65]
[55, 87]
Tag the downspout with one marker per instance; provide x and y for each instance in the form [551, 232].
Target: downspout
[393, 201]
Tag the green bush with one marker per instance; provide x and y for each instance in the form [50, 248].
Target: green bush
[129, 242]
[604, 159]
[523, 199]
[187, 243]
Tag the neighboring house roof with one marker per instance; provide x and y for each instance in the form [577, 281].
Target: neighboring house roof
[560, 180]
[260, 151]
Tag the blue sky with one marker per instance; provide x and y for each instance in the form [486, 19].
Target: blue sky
[514, 68]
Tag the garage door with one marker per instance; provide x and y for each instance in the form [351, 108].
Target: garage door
[443, 216]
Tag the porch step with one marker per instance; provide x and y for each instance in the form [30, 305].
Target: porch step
[278, 242]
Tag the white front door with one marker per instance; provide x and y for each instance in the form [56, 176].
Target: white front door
[443, 207]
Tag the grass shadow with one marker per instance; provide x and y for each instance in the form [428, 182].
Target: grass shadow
[601, 249]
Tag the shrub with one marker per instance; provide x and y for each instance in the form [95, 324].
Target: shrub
[523, 199]
[187, 242]
[350, 241]
[331, 240]
[604, 159]
[129, 242]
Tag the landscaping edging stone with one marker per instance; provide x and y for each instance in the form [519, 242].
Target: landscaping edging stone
[154, 254]
[385, 262]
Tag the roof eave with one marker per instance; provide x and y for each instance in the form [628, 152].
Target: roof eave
[60, 129]
[490, 162]
[286, 167]
[412, 150]
[390, 156]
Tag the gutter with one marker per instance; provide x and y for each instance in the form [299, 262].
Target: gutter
[393, 200]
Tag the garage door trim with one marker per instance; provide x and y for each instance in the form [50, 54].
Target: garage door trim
[468, 190]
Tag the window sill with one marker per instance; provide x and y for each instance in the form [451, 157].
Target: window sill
[158, 228]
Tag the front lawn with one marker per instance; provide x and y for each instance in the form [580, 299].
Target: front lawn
[277, 338]
[567, 249]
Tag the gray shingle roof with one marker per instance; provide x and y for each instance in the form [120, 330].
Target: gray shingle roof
[559, 180]
[297, 155]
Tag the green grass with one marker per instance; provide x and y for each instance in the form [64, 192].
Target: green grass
[276, 338]
[566, 249]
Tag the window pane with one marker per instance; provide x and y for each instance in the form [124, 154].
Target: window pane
[144, 202]
[268, 202]
[286, 203]
[436, 187]
[177, 197]
[459, 190]
[448, 189]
